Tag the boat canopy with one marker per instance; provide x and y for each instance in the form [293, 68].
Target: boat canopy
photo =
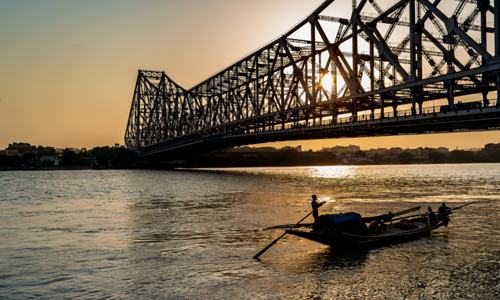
[344, 223]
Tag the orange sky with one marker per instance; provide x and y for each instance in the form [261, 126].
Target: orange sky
[68, 68]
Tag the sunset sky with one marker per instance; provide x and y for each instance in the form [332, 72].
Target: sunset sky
[68, 68]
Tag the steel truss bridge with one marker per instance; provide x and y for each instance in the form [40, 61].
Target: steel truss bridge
[373, 73]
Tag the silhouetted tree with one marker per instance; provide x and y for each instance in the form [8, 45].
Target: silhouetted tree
[69, 158]
[287, 155]
[494, 156]
[27, 157]
[102, 155]
[378, 158]
[360, 153]
[83, 154]
[4, 158]
[122, 157]
[117, 157]
[437, 157]
[461, 156]
[15, 161]
[405, 157]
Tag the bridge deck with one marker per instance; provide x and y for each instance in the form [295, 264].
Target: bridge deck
[478, 119]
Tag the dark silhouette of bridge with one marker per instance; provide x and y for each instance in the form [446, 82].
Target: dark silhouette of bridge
[295, 87]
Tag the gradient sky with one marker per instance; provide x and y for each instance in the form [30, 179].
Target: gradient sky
[68, 68]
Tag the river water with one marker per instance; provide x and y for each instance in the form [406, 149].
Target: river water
[191, 234]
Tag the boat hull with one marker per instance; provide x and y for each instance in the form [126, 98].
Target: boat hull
[345, 241]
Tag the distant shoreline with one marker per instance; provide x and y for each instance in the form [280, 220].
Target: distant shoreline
[208, 166]
[62, 168]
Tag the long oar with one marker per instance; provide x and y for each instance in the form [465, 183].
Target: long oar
[430, 228]
[274, 242]
[459, 207]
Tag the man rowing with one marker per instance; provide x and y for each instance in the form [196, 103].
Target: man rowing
[315, 206]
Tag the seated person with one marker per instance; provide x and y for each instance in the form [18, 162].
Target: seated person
[388, 217]
[431, 214]
[374, 225]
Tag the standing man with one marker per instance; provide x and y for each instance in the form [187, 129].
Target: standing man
[443, 209]
[315, 205]
[443, 213]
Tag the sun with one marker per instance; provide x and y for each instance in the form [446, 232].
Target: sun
[327, 81]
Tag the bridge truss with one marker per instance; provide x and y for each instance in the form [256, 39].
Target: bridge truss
[325, 68]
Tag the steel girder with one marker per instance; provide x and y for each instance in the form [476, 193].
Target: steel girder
[280, 84]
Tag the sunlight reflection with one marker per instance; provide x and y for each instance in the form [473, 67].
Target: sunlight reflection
[326, 199]
[333, 171]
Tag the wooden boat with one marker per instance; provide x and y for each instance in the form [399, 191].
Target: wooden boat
[349, 231]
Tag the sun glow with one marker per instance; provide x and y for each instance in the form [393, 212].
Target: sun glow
[327, 81]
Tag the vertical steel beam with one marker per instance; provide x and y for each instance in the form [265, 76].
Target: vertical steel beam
[418, 43]
[483, 8]
[496, 16]
[313, 62]
[313, 70]
[138, 115]
[372, 77]
[412, 41]
[382, 84]
[355, 59]
[498, 87]
[334, 74]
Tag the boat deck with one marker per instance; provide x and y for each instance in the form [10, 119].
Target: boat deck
[391, 229]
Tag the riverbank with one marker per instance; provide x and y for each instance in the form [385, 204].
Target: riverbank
[61, 168]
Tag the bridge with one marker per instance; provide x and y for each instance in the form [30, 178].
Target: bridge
[378, 72]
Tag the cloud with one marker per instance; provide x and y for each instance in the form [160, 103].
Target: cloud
[75, 45]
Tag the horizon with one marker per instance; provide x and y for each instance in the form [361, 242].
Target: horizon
[285, 144]
[68, 81]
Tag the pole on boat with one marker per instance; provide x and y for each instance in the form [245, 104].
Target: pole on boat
[459, 207]
[274, 242]
[430, 227]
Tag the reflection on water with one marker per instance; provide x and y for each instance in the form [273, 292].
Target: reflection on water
[190, 234]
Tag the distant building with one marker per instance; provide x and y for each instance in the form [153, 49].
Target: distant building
[20, 148]
[373, 151]
[489, 148]
[396, 150]
[299, 148]
[473, 149]
[19, 145]
[342, 149]
[442, 150]
[76, 150]
[12, 151]
[50, 160]
[416, 152]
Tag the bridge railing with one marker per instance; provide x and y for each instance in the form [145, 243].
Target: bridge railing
[206, 136]
[400, 113]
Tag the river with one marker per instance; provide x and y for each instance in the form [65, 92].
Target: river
[191, 234]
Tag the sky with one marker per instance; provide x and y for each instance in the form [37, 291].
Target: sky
[68, 68]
